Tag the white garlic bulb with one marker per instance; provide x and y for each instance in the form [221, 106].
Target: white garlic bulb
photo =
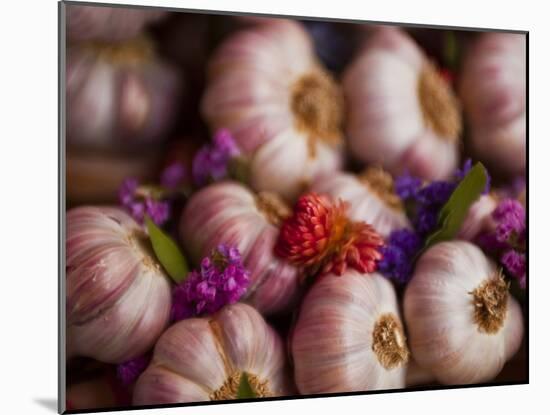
[462, 323]
[203, 359]
[106, 22]
[401, 112]
[370, 195]
[284, 110]
[493, 88]
[348, 336]
[119, 95]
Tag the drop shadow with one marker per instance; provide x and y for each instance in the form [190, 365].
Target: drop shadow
[48, 403]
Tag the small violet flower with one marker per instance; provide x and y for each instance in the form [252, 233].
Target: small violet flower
[211, 161]
[221, 279]
[399, 254]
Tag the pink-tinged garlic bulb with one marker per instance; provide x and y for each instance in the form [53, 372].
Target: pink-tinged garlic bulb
[370, 195]
[478, 218]
[284, 110]
[417, 375]
[402, 113]
[95, 177]
[228, 213]
[203, 359]
[348, 336]
[118, 297]
[493, 88]
[107, 23]
[119, 94]
[462, 323]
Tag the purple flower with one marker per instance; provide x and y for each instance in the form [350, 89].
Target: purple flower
[515, 264]
[129, 371]
[398, 255]
[157, 210]
[211, 161]
[510, 218]
[127, 190]
[435, 193]
[173, 175]
[406, 186]
[221, 279]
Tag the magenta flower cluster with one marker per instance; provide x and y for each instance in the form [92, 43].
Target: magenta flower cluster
[129, 371]
[212, 160]
[143, 200]
[507, 240]
[138, 207]
[222, 279]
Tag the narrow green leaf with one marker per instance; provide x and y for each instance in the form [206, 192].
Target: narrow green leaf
[167, 252]
[245, 390]
[454, 212]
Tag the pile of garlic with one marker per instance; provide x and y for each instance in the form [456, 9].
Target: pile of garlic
[328, 324]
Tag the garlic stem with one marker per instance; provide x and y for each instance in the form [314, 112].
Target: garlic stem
[389, 343]
[318, 106]
[490, 300]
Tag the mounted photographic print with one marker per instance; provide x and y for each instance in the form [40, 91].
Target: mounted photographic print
[272, 207]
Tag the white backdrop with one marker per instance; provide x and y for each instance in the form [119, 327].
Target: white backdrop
[28, 203]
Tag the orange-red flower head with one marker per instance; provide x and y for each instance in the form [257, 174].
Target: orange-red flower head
[320, 236]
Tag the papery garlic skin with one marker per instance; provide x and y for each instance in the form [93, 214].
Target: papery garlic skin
[119, 95]
[444, 334]
[264, 84]
[366, 203]
[118, 297]
[400, 110]
[202, 359]
[333, 341]
[107, 23]
[493, 88]
[228, 213]
[478, 218]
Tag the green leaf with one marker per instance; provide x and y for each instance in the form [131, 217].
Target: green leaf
[167, 252]
[454, 212]
[245, 390]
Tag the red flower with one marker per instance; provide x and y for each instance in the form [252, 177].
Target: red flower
[319, 236]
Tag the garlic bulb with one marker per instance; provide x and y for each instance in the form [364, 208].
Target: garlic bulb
[348, 336]
[370, 195]
[118, 94]
[417, 375]
[283, 109]
[107, 23]
[202, 359]
[462, 323]
[118, 297]
[228, 213]
[95, 177]
[401, 110]
[493, 89]
[478, 218]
